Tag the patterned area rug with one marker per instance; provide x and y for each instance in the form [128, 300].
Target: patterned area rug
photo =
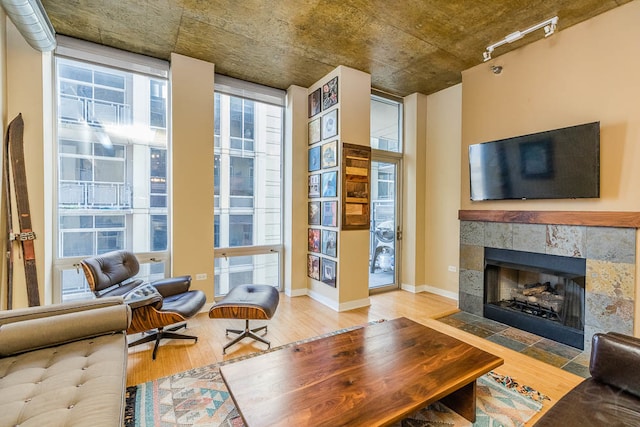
[199, 397]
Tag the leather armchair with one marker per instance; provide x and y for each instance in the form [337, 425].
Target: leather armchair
[611, 396]
[161, 307]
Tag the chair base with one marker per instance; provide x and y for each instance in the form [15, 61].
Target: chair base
[246, 333]
[162, 333]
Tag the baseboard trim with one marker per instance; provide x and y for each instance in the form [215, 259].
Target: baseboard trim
[323, 300]
[296, 292]
[351, 305]
[430, 289]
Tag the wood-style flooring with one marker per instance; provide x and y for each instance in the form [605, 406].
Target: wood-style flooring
[302, 317]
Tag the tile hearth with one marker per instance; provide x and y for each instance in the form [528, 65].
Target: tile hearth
[553, 353]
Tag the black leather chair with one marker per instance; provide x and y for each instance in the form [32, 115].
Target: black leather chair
[611, 396]
[155, 306]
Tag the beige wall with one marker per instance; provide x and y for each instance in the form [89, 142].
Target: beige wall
[192, 165]
[586, 73]
[431, 195]
[444, 122]
[3, 121]
[414, 193]
[295, 192]
[28, 79]
[589, 72]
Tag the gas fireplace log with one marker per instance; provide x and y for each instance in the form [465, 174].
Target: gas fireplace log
[535, 290]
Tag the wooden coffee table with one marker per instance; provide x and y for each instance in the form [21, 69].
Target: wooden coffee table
[371, 376]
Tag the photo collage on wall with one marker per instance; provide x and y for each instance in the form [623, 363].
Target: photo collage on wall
[323, 183]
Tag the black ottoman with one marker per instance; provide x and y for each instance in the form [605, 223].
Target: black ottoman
[247, 302]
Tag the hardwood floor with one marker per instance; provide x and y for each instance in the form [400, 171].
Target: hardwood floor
[302, 317]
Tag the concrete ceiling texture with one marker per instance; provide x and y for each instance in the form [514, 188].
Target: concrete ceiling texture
[406, 45]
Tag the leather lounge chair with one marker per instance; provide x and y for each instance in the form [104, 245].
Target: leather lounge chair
[159, 308]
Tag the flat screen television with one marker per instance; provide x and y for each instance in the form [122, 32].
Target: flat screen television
[556, 164]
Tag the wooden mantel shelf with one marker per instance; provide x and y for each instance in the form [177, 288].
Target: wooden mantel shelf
[594, 218]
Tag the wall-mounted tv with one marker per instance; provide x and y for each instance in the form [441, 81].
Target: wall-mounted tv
[556, 164]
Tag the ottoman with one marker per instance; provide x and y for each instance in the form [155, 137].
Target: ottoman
[258, 302]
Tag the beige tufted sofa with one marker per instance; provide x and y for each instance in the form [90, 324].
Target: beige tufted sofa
[64, 364]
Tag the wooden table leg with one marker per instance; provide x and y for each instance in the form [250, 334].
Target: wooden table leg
[463, 401]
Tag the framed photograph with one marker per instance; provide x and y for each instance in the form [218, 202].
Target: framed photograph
[329, 155]
[314, 159]
[314, 240]
[330, 243]
[315, 102]
[330, 124]
[314, 131]
[330, 93]
[313, 266]
[314, 185]
[314, 213]
[329, 184]
[330, 213]
[328, 271]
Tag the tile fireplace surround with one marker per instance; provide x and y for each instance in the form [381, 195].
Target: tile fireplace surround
[610, 254]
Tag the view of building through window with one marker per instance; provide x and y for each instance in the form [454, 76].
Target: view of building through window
[386, 142]
[247, 188]
[112, 167]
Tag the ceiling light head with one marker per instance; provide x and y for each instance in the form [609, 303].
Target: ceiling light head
[514, 36]
[550, 28]
[496, 69]
[487, 54]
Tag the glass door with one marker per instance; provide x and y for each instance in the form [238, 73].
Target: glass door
[384, 224]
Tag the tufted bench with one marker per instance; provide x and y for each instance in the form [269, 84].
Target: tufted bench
[64, 364]
[247, 302]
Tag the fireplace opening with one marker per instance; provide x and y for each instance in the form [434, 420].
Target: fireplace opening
[539, 293]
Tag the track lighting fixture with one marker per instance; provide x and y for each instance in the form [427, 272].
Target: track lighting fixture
[549, 27]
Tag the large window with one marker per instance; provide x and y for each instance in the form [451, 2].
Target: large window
[112, 168]
[386, 144]
[248, 136]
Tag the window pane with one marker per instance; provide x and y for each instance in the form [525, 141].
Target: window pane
[216, 117]
[247, 190]
[241, 176]
[112, 189]
[107, 79]
[108, 150]
[248, 119]
[74, 147]
[158, 103]
[76, 221]
[75, 73]
[240, 230]
[216, 175]
[110, 241]
[110, 221]
[109, 171]
[264, 269]
[76, 169]
[77, 243]
[236, 117]
[386, 124]
[158, 185]
[216, 231]
[159, 233]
